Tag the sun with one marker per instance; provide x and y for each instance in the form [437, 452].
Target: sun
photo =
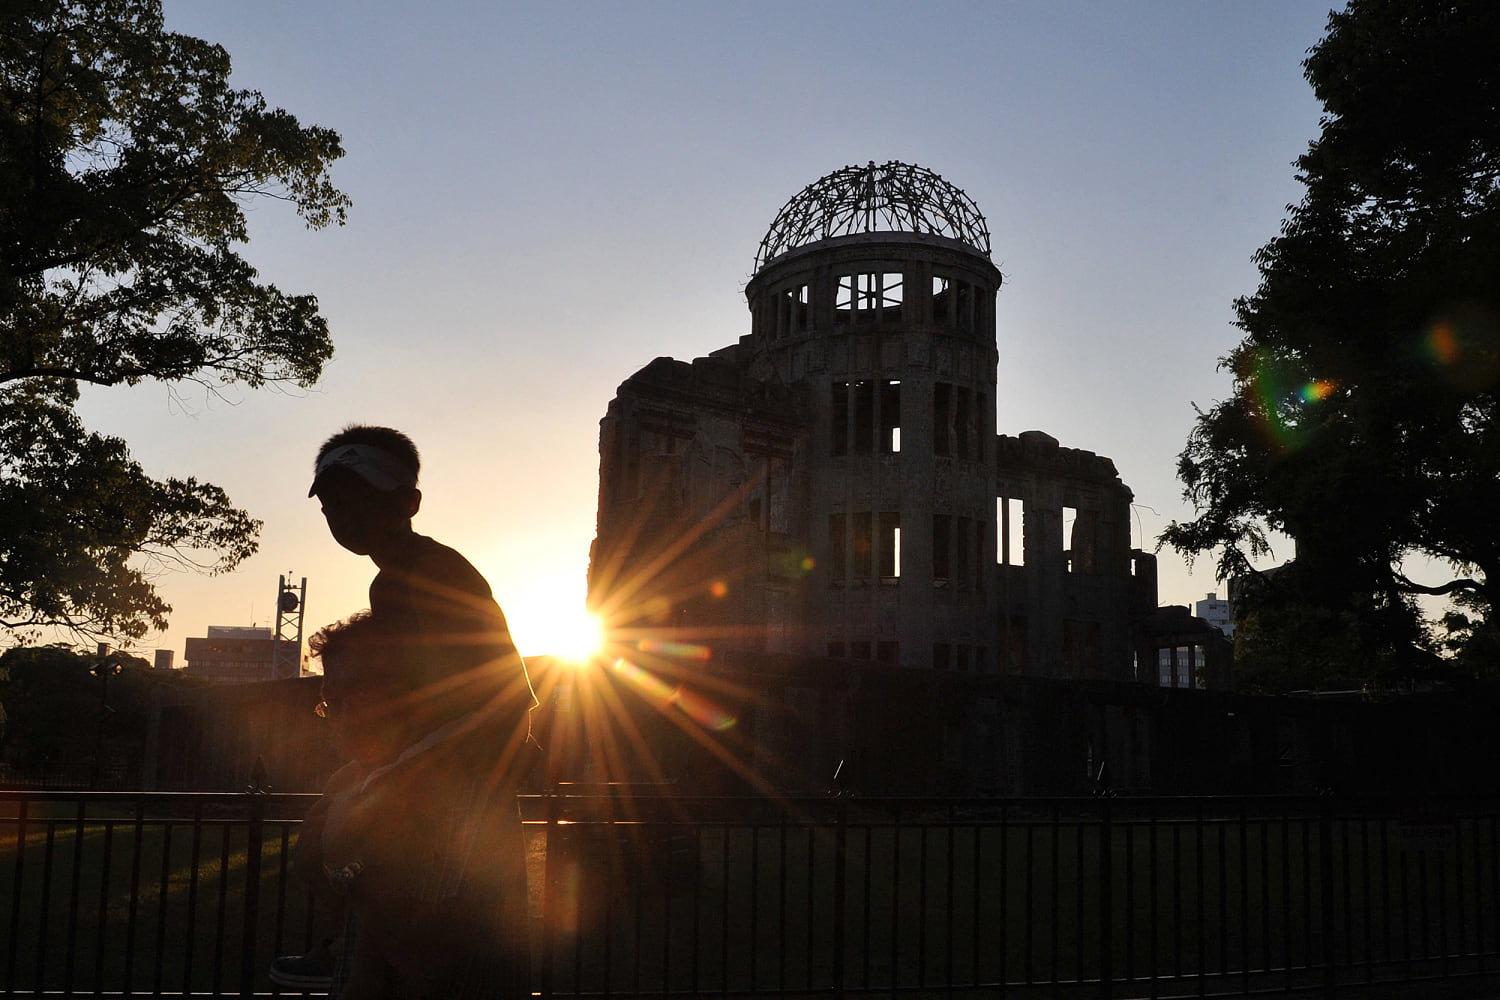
[565, 632]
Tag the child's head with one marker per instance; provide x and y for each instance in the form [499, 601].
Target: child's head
[366, 479]
[371, 685]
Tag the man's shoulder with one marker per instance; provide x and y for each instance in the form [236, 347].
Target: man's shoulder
[429, 559]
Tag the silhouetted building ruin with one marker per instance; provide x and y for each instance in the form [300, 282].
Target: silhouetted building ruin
[833, 485]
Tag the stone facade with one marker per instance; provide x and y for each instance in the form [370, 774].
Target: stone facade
[833, 485]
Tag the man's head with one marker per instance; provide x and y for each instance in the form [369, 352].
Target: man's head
[366, 479]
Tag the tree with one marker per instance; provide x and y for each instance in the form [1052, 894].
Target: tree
[125, 163]
[1364, 421]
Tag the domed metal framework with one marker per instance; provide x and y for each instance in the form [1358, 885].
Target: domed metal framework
[893, 197]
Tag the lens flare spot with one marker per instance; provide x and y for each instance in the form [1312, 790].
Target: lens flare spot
[677, 650]
[719, 589]
[797, 563]
[702, 711]
[1277, 390]
[1442, 343]
[1317, 390]
[663, 695]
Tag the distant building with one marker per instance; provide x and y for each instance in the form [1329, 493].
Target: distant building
[234, 654]
[1218, 613]
[833, 485]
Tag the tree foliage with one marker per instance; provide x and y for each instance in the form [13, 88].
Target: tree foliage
[126, 160]
[1364, 421]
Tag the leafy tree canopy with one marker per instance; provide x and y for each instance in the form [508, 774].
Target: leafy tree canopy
[125, 162]
[1364, 420]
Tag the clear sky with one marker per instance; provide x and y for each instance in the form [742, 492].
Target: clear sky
[547, 196]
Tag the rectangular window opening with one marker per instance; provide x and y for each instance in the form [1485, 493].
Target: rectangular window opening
[1084, 542]
[890, 416]
[838, 413]
[792, 312]
[863, 548]
[1069, 518]
[837, 557]
[962, 548]
[890, 546]
[963, 423]
[890, 297]
[1010, 547]
[843, 300]
[942, 527]
[942, 419]
[942, 300]
[864, 417]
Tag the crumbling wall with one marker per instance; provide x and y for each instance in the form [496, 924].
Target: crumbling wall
[1065, 604]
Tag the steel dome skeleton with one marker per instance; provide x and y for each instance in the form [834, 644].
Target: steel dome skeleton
[891, 197]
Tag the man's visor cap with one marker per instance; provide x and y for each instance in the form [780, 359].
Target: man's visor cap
[379, 468]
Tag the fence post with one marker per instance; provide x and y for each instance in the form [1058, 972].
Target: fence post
[256, 795]
[1325, 886]
[1106, 901]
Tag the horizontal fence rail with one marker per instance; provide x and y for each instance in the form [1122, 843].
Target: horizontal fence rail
[637, 895]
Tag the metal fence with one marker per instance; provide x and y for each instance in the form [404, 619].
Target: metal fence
[649, 896]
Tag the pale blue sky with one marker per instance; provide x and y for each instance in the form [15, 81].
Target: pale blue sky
[548, 196]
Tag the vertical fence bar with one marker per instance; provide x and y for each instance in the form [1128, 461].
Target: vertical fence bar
[221, 914]
[1056, 895]
[895, 902]
[781, 912]
[1286, 894]
[74, 898]
[253, 850]
[1106, 901]
[1245, 895]
[12, 951]
[975, 900]
[1079, 919]
[1154, 970]
[45, 922]
[1130, 901]
[1480, 944]
[811, 904]
[1448, 902]
[948, 890]
[840, 864]
[1003, 923]
[283, 847]
[1367, 881]
[551, 862]
[921, 905]
[163, 897]
[668, 850]
[137, 848]
[196, 852]
[101, 934]
[1325, 893]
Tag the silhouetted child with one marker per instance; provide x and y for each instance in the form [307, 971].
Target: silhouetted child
[419, 833]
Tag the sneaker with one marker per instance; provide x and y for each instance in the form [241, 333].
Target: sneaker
[310, 973]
